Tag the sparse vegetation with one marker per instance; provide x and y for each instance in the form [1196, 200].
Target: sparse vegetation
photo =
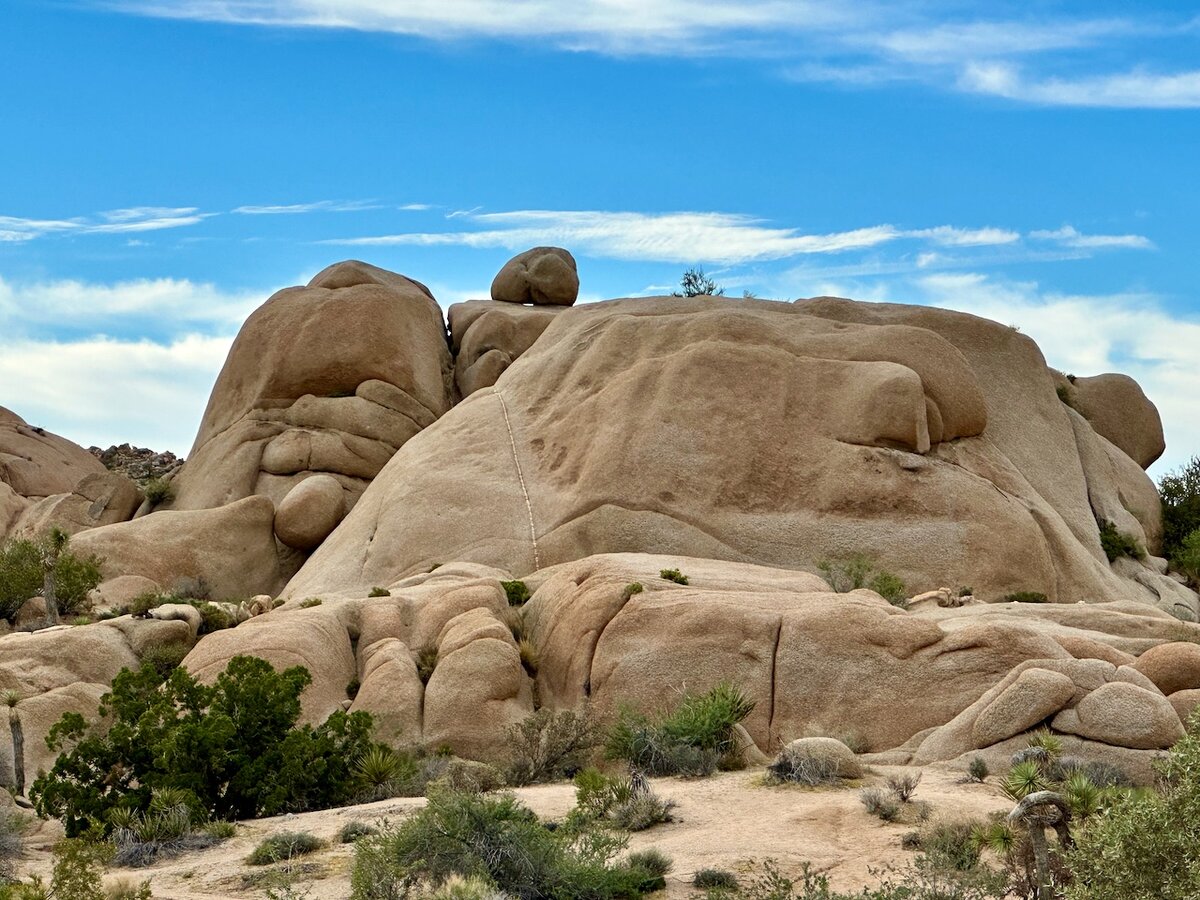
[631, 589]
[171, 825]
[627, 803]
[881, 803]
[427, 660]
[355, 829]
[694, 283]
[517, 592]
[527, 650]
[496, 839]
[165, 658]
[859, 572]
[903, 786]
[310, 602]
[1116, 544]
[673, 575]
[158, 490]
[379, 592]
[550, 746]
[715, 880]
[811, 765]
[1026, 597]
[690, 740]
[384, 773]
[284, 846]
[352, 688]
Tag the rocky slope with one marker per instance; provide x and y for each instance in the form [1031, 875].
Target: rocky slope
[357, 451]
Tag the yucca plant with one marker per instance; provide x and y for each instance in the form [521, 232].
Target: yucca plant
[1023, 779]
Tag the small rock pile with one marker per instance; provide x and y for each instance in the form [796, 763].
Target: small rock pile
[138, 463]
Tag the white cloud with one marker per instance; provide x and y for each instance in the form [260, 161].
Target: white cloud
[1068, 236]
[949, 236]
[1130, 90]
[165, 305]
[665, 237]
[1087, 335]
[958, 41]
[116, 221]
[317, 206]
[103, 391]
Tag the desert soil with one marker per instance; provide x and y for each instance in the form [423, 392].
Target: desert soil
[731, 821]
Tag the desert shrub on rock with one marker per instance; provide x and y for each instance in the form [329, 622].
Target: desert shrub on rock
[517, 592]
[233, 745]
[1117, 544]
[977, 769]
[550, 746]
[355, 829]
[496, 839]
[859, 572]
[691, 739]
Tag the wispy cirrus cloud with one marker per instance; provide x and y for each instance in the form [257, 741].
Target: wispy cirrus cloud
[116, 221]
[1039, 57]
[314, 207]
[712, 237]
[1068, 236]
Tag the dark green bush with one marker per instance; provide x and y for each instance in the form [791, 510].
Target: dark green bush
[212, 617]
[1187, 558]
[694, 283]
[165, 658]
[691, 739]
[352, 688]
[24, 564]
[1180, 492]
[550, 746]
[953, 844]
[383, 773]
[427, 660]
[284, 846]
[493, 837]
[890, 588]
[631, 589]
[233, 745]
[1116, 544]
[673, 575]
[977, 769]
[1026, 597]
[379, 592]
[517, 592]
[158, 490]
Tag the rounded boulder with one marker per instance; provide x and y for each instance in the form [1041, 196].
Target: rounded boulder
[543, 276]
[1124, 715]
[1172, 667]
[310, 511]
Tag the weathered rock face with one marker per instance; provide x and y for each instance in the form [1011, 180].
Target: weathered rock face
[931, 441]
[231, 551]
[36, 464]
[98, 499]
[487, 336]
[1116, 407]
[543, 276]
[330, 378]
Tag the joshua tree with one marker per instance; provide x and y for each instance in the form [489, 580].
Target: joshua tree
[1035, 813]
[11, 699]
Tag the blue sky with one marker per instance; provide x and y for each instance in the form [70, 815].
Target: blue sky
[167, 165]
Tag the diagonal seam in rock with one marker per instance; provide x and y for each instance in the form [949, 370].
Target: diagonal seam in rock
[537, 561]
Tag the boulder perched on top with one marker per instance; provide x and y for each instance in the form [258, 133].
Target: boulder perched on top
[1116, 407]
[329, 378]
[35, 463]
[487, 336]
[932, 442]
[543, 276]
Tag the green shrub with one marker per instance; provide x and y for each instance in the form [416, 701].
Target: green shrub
[383, 773]
[618, 801]
[1026, 597]
[233, 744]
[25, 563]
[158, 490]
[458, 888]
[517, 592]
[355, 829]
[673, 575]
[691, 739]
[549, 746]
[427, 660]
[1145, 844]
[212, 617]
[715, 879]
[491, 837]
[310, 602]
[1180, 493]
[467, 776]
[966, 592]
[632, 589]
[353, 686]
[1187, 558]
[170, 826]
[953, 844]
[284, 846]
[977, 769]
[165, 658]
[1023, 779]
[694, 283]
[890, 588]
[379, 592]
[1116, 544]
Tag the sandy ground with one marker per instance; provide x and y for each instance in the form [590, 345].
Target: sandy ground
[728, 821]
